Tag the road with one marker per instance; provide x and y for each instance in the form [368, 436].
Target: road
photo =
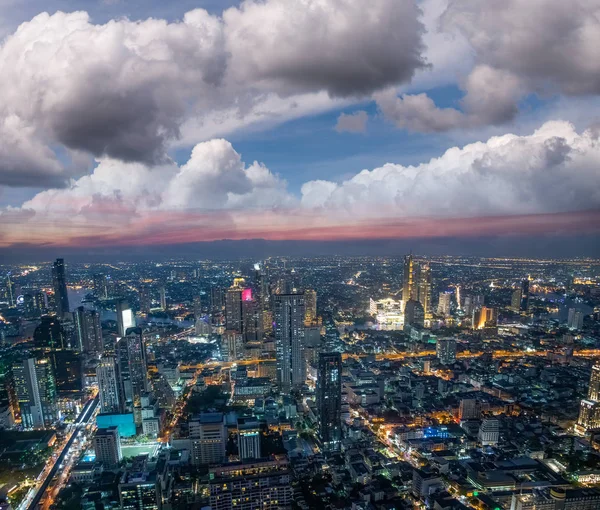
[82, 421]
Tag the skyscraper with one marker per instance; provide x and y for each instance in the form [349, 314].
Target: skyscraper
[61, 298]
[107, 446]
[310, 303]
[35, 391]
[444, 304]
[125, 317]
[288, 314]
[446, 350]
[252, 325]
[525, 295]
[131, 360]
[589, 410]
[163, 298]
[145, 300]
[88, 330]
[109, 389]
[50, 334]
[575, 319]
[329, 399]
[414, 315]
[233, 306]
[409, 284]
[424, 290]
[100, 286]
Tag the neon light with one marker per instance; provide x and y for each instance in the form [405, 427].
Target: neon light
[247, 295]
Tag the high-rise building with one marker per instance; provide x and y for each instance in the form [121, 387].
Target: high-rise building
[107, 445]
[288, 314]
[100, 286]
[109, 388]
[133, 371]
[524, 307]
[409, 280]
[50, 334]
[446, 350]
[88, 330]
[252, 321]
[233, 305]
[414, 315]
[125, 317]
[163, 298]
[310, 303]
[35, 392]
[208, 435]
[489, 432]
[329, 399]
[232, 346]
[469, 409]
[515, 300]
[444, 304]
[197, 306]
[67, 367]
[59, 282]
[424, 290]
[145, 300]
[575, 319]
[217, 298]
[248, 439]
[589, 410]
[261, 483]
[485, 317]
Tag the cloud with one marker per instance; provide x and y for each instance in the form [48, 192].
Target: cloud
[519, 47]
[352, 123]
[333, 45]
[124, 89]
[554, 169]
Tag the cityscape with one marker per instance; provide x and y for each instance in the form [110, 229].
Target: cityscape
[299, 255]
[407, 382]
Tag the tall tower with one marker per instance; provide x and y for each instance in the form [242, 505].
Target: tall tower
[424, 290]
[35, 390]
[133, 371]
[88, 330]
[145, 300]
[288, 314]
[310, 302]
[408, 282]
[109, 385]
[59, 282]
[329, 399]
[233, 306]
[525, 295]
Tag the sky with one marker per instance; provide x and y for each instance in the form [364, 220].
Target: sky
[127, 124]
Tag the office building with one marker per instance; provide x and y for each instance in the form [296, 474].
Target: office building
[257, 484]
[575, 319]
[485, 317]
[252, 320]
[515, 300]
[67, 367]
[131, 360]
[444, 301]
[424, 290]
[248, 439]
[414, 314]
[310, 304]
[208, 435]
[217, 299]
[35, 392]
[145, 298]
[232, 346]
[88, 330]
[409, 280]
[233, 305]
[288, 314]
[469, 409]
[100, 286]
[50, 334]
[446, 350]
[109, 387]
[107, 446]
[594, 386]
[489, 432]
[125, 317]
[163, 298]
[524, 306]
[329, 399]
[59, 282]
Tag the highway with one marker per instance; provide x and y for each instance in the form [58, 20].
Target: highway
[82, 421]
